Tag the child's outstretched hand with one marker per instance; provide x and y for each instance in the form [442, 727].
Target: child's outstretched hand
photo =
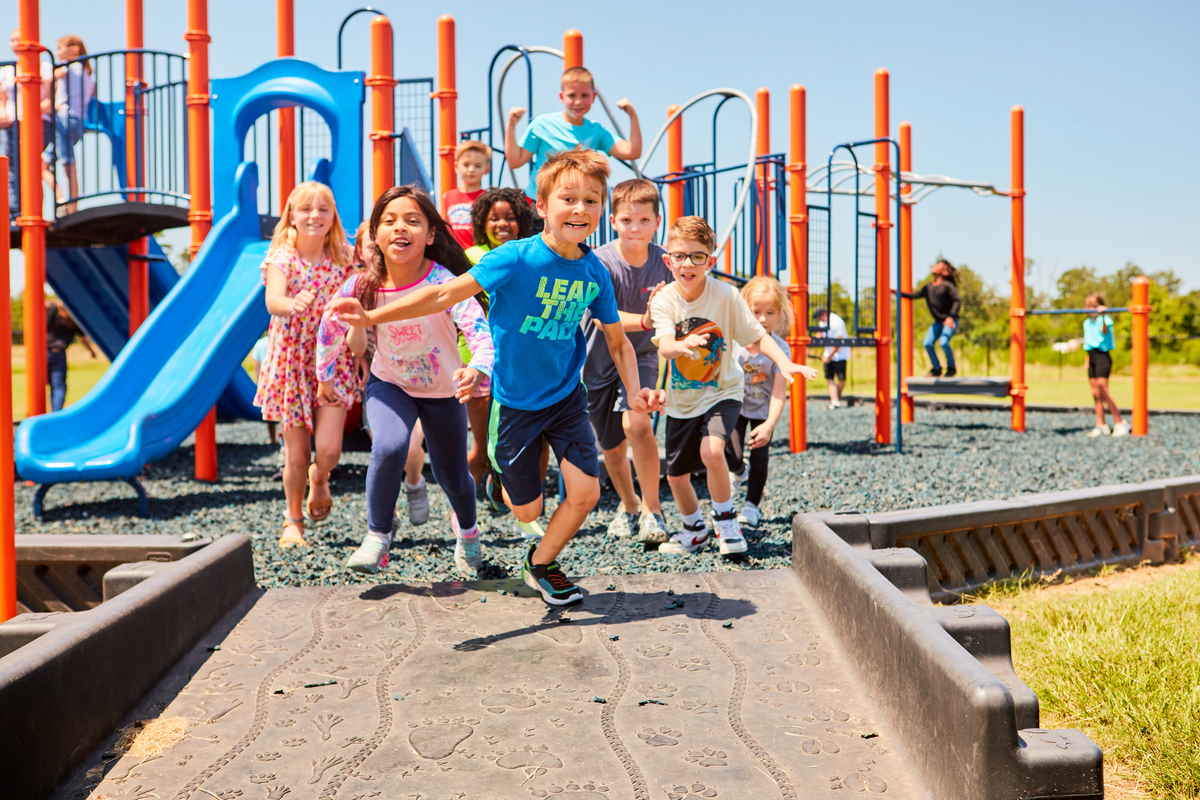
[326, 395]
[760, 436]
[626, 106]
[647, 401]
[303, 301]
[693, 342]
[350, 311]
[792, 368]
[514, 114]
[362, 369]
[466, 380]
[647, 322]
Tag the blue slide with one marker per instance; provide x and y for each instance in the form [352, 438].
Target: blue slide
[93, 282]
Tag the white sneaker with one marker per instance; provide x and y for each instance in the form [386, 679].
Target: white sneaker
[737, 478]
[834, 405]
[652, 529]
[530, 531]
[750, 515]
[418, 502]
[730, 539]
[371, 556]
[1099, 430]
[689, 540]
[1122, 429]
[622, 524]
[468, 553]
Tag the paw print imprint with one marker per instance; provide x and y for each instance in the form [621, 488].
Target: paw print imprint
[587, 790]
[437, 741]
[498, 702]
[663, 737]
[693, 792]
[814, 746]
[830, 715]
[673, 628]
[534, 762]
[694, 664]
[707, 757]
[294, 742]
[657, 691]
[261, 779]
[658, 650]
[860, 783]
[268, 757]
[802, 660]
[700, 706]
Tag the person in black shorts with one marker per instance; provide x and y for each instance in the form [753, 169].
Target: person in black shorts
[1098, 344]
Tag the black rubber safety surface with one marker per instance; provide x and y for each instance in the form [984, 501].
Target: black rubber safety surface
[683, 686]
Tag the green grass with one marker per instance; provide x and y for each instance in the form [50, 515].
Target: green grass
[83, 372]
[1121, 665]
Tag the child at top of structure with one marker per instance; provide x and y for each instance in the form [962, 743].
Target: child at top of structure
[416, 373]
[765, 392]
[696, 318]
[498, 216]
[558, 131]
[1098, 343]
[540, 289]
[472, 160]
[307, 261]
[941, 297]
[638, 272]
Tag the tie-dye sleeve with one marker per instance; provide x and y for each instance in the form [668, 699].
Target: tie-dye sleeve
[470, 319]
[331, 336]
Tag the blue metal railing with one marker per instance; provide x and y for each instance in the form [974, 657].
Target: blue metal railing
[410, 170]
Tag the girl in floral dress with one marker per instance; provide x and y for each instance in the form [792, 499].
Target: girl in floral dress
[307, 261]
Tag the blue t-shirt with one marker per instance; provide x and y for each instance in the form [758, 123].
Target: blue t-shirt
[551, 133]
[537, 299]
[1093, 339]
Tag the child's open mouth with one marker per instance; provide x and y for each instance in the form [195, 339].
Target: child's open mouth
[576, 226]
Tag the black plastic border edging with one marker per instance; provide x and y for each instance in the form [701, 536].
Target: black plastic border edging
[942, 676]
[66, 690]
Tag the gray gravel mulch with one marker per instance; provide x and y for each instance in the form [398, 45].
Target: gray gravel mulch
[952, 456]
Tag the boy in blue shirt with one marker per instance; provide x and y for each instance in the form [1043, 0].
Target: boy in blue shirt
[1098, 343]
[539, 289]
[554, 133]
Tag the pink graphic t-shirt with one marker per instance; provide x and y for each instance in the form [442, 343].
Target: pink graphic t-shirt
[419, 355]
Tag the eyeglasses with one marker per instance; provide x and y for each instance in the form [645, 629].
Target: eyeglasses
[697, 259]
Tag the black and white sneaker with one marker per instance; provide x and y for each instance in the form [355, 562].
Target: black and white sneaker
[555, 587]
[691, 539]
[729, 533]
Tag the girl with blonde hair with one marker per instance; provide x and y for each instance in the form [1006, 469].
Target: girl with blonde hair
[309, 258]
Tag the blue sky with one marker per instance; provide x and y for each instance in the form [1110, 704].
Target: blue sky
[1104, 85]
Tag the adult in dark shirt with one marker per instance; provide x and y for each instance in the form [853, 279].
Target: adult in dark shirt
[941, 297]
[61, 331]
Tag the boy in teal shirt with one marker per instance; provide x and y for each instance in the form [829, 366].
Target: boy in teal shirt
[1098, 343]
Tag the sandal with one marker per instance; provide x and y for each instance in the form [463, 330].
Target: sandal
[297, 539]
[318, 510]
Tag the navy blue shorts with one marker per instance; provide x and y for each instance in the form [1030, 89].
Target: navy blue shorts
[515, 443]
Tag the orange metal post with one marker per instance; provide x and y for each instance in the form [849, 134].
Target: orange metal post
[8, 522]
[200, 213]
[572, 49]
[285, 36]
[798, 221]
[675, 167]
[382, 119]
[762, 102]
[1141, 354]
[32, 225]
[883, 283]
[139, 273]
[906, 265]
[1016, 304]
[447, 97]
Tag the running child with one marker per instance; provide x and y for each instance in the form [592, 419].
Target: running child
[696, 318]
[416, 373]
[941, 297]
[638, 272]
[1098, 344]
[472, 160]
[765, 391]
[307, 261]
[540, 289]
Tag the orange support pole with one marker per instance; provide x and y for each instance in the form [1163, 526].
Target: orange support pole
[1016, 303]
[139, 272]
[382, 83]
[8, 520]
[572, 49]
[200, 180]
[906, 266]
[883, 261]
[798, 221]
[1141, 354]
[762, 103]
[32, 225]
[675, 167]
[285, 37]
[447, 97]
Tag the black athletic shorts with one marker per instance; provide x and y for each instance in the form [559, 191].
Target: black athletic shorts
[1099, 363]
[515, 443]
[684, 435]
[835, 370]
[608, 404]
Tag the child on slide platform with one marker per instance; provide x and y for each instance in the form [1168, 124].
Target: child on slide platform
[540, 289]
[416, 372]
[472, 160]
[696, 318]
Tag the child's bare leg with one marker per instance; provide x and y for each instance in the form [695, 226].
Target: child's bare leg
[583, 492]
[1098, 400]
[297, 455]
[330, 422]
[415, 463]
[684, 494]
[619, 472]
[639, 432]
[712, 453]
[1107, 399]
[477, 416]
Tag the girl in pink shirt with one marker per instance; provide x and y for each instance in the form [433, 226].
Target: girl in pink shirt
[416, 373]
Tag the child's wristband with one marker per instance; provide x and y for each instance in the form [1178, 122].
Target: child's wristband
[642, 322]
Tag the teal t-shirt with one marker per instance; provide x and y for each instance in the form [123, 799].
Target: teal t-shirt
[1093, 339]
[551, 133]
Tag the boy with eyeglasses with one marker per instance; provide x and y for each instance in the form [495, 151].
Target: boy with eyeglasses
[695, 318]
